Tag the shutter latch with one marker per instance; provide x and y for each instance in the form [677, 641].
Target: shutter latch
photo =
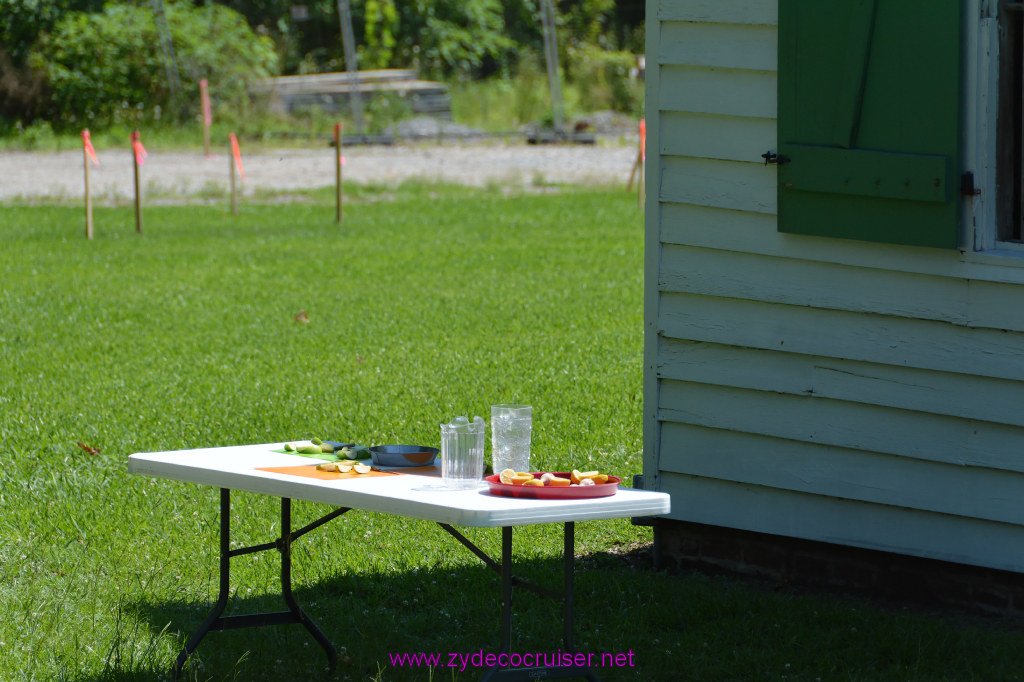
[967, 187]
[772, 157]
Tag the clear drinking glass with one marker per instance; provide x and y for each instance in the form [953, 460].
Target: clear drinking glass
[511, 427]
[462, 452]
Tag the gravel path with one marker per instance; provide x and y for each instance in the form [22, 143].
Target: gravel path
[31, 175]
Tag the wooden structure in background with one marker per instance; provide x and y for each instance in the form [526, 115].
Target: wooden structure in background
[332, 91]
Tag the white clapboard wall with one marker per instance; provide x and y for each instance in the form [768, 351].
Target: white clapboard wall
[863, 394]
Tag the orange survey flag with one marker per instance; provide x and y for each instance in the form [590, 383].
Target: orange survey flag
[237, 154]
[87, 143]
[643, 139]
[140, 151]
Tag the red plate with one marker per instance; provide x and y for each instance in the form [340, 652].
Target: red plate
[551, 492]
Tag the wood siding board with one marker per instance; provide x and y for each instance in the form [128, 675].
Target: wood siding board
[799, 281]
[941, 393]
[745, 186]
[846, 522]
[727, 138]
[870, 338]
[813, 468]
[764, 12]
[710, 90]
[732, 230]
[916, 435]
[731, 46]
[732, 274]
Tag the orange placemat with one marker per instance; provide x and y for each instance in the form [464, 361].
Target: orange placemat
[310, 471]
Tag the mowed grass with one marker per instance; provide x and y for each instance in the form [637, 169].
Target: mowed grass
[426, 303]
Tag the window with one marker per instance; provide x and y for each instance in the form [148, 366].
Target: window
[902, 121]
[994, 116]
[1008, 152]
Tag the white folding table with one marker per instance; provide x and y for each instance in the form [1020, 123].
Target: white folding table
[412, 495]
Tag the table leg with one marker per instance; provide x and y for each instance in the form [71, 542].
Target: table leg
[506, 589]
[216, 621]
[225, 584]
[508, 581]
[286, 586]
[568, 566]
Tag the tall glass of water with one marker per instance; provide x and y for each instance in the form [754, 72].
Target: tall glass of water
[511, 427]
[462, 452]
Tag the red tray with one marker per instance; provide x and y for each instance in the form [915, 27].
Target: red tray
[550, 492]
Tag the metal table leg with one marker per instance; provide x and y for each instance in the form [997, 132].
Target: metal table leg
[216, 621]
[508, 581]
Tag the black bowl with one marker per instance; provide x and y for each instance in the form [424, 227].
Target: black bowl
[403, 455]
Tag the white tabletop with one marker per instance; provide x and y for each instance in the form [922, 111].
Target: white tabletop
[410, 495]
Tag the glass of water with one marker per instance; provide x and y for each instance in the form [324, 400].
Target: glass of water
[462, 452]
[511, 427]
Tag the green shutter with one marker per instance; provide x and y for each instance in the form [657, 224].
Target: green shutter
[869, 119]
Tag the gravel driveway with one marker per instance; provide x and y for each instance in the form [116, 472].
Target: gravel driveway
[165, 175]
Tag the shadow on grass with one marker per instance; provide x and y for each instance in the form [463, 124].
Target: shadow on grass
[673, 626]
[453, 611]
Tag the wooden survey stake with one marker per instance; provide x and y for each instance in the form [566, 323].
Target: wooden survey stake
[338, 162]
[638, 165]
[138, 158]
[88, 154]
[234, 182]
[204, 96]
[236, 170]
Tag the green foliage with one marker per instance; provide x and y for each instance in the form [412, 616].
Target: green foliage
[39, 135]
[380, 28]
[604, 76]
[22, 22]
[499, 104]
[107, 67]
[585, 21]
[453, 37]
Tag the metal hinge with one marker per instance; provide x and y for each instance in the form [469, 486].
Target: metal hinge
[772, 157]
[967, 187]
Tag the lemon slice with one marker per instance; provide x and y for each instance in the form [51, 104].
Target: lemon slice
[578, 475]
[534, 482]
[361, 468]
[506, 476]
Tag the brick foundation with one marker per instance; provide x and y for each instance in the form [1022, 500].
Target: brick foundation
[790, 562]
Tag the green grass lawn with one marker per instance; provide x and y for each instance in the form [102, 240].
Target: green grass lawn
[428, 302]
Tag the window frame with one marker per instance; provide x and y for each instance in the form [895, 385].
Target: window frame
[983, 84]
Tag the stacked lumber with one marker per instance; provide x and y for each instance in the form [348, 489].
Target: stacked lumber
[332, 91]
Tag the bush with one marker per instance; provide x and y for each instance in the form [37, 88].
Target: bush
[107, 67]
[460, 38]
[604, 77]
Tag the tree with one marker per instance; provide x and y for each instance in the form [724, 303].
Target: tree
[105, 66]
